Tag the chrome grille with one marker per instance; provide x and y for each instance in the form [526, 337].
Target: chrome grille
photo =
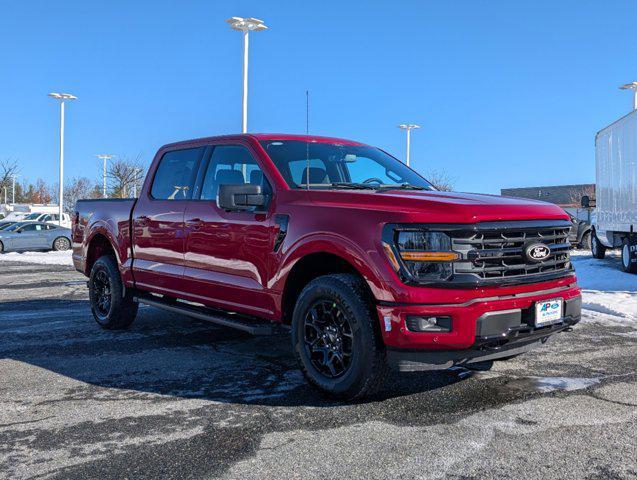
[491, 252]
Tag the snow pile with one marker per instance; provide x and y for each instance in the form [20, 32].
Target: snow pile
[40, 258]
[609, 295]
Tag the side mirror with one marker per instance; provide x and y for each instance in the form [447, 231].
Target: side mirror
[586, 201]
[242, 196]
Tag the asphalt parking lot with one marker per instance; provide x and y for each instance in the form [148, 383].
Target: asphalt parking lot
[178, 398]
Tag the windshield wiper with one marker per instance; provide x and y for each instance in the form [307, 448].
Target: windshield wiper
[401, 186]
[354, 186]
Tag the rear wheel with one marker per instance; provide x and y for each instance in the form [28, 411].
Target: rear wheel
[112, 305]
[61, 243]
[597, 249]
[336, 338]
[627, 265]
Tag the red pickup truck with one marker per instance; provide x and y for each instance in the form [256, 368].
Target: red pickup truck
[364, 261]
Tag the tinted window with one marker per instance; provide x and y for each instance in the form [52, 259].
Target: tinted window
[336, 163]
[231, 164]
[175, 174]
[33, 227]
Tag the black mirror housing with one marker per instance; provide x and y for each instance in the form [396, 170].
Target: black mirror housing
[243, 196]
[586, 201]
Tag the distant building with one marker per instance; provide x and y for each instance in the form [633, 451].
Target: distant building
[566, 196]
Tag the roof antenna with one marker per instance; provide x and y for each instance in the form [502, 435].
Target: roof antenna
[307, 143]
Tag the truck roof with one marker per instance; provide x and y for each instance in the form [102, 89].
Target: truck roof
[269, 136]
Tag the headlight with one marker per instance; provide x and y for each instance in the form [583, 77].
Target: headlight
[426, 256]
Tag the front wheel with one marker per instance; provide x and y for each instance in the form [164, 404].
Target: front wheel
[597, 249]
[627, 265]
[112, 305]
[585, 243]
[336, 337]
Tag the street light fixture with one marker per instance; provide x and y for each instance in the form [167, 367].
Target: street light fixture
[62, 98]
[409, 127]
[245, 25]
[105, 158]
[631, 86]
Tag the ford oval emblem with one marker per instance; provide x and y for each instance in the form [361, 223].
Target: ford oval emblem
[537, 252]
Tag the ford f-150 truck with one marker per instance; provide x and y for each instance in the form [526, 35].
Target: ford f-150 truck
[364, 261]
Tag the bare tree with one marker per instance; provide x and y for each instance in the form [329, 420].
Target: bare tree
[8, 168]
[125, 177]
[441, 180]
[77, 189]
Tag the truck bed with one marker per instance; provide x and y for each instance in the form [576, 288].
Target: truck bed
[110, 217]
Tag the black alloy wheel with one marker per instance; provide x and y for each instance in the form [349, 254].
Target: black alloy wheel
[328, 338]
[113, 306]
[102, 294]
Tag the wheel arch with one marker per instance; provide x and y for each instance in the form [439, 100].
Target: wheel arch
[98, 245]
[318, 258]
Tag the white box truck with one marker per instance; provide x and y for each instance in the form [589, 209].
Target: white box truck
[615, 218]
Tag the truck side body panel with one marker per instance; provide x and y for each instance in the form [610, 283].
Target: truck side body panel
[616, 178]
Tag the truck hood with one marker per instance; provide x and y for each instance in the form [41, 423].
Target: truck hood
[438, 207]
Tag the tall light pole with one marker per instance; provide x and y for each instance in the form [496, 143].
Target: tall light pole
[245, 25]
[13, 177]
[409, 127]
[62, 98]
[105, 158]
[631, 86]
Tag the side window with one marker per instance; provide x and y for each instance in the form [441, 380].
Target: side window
[317, 171]
[175, 174]
[47, 218]
[231, 164]
[32, 228]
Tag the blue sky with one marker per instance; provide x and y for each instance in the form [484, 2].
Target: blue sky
[508, 93]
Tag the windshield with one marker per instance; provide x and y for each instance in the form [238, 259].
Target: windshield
[329, 165]
[33, 216]
[6, 225]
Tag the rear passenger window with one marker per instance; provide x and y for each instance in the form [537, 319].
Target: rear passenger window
[175, 174]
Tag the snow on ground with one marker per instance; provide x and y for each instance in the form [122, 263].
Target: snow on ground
[41, 258]
[609, 295]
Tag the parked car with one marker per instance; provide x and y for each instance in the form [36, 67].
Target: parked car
[359, 256]
[580, 233]
[49, 218]
[23, 236]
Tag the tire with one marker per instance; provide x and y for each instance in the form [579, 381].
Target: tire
[597, 249]
[585, 243]
[61, 243]
[335, 314]
[1, 247]
[626, 265]
[112, 305]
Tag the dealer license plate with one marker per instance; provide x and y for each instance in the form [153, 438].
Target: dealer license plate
[548, 311]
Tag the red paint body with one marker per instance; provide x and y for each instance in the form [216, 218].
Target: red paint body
[193, 250]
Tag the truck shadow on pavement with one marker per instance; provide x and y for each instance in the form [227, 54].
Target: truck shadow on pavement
[171, 355]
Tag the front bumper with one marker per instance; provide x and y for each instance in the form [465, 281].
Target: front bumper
[482, 328]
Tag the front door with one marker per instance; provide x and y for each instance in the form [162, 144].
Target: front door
[226, 252]
[31, 236]
[158, 223]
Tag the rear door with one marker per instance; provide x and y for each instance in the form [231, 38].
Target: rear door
[226, 252]
[158, 222]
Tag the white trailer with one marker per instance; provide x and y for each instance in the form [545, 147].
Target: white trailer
[615, 220]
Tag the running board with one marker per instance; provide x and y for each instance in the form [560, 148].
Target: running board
[254, 327]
